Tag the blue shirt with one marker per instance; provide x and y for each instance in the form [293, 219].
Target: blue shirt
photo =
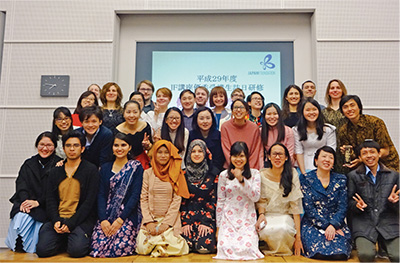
[368, 172]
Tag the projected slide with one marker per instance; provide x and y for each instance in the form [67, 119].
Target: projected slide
[250, 71]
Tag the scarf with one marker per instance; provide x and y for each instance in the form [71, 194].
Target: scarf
[196, 171]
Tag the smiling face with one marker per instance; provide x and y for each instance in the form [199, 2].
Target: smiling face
[219, 100]
[173, 120]
[204, 120]
[88, 101]
[271, 116]
[162, 99]
[256, 102]
[95, 89]
[201, 97]
[132, 113]
[239, 161]
[239, 110]
[370, 157]
[138, 99]
[310, 112]
[162, 155]
[187, 101]
[335, 92]
[325, 161]
[293, 96]
[146, 90]
[309, 90]
[91, 125]
[63, 122]
[45, 147]
[121, 148]
[237, 95]
[277, 156]
[197, 154]
[351, 110]
[112, 94]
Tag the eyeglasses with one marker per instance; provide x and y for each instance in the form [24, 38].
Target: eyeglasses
[66, 119]
[48, 146]
[145, 90]
[88, 99]
[74, 145]
[256, 99]
[239, 107]
[174, 118]
[275, 155]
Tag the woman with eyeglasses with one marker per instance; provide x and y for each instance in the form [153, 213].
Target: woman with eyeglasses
[238, 128]
[62, 123]
[87, 98]
[29, 201]
[173, 130]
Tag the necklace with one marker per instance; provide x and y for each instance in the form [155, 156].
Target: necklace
[110, 114]
[41, 164]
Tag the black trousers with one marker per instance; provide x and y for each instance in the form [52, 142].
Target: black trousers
[51, 243]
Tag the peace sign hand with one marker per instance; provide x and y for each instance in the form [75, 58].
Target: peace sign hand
[360, 203]
[394, 196]
[146, 142]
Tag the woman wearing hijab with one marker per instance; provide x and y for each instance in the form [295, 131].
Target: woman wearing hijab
[163, 187]
[198, 211]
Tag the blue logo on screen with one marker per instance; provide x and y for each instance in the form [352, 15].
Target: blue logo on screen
[266, 63]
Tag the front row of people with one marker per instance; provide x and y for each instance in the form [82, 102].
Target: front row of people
[163, 211]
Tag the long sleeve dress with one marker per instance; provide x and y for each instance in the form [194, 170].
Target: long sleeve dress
[280, 229]
[199, 209]
[236, 217]
[324, 207]
[119, 196]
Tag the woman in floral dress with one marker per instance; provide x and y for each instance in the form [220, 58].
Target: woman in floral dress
[118, 203]
[238, 190]
[198, 211]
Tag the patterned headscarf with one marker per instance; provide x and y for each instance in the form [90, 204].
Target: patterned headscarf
[196, 171]
[171, 172]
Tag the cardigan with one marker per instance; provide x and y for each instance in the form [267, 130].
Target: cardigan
[85, 216]
[30, 185]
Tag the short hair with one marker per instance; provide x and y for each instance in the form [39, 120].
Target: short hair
[85, 95]
[236, 149]
[147, 82]
[368, 143]
[55, 130]
[203, 88]
[243, 102]
[104, 91]
[166, 91]
[136, 93]
[350, 97]
[195, 125]
[185, 91]
[237, 90]
[258, 93]
[307, 81]
[74, 134]
[328, 98]
[47, 134]
[131, 102]
[87, 112]
[215, 91]
[327, 149]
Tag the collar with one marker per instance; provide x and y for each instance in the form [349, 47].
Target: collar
[89, 142]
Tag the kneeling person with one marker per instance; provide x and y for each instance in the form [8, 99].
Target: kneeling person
[70, 197]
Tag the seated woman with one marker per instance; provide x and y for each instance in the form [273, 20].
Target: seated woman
[205, 128]
[111, 97]
[29, 202]
[163, 187]
[114, 234]
[87, 98]
[280, 204]
[198, 212]
[324, 233]
[310, 134]
[139, 132]
[238, 190]
[62, 123]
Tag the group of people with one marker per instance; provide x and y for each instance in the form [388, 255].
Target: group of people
[217, 176]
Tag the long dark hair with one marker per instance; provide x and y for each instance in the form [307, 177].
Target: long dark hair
[55, 130]
[49, 135]
[125, 138]
[265, 126]
[285, 103]
[302, 124]
[287, 173]
[236, 149]
[195, 125]
[180, 131]
[86, 94]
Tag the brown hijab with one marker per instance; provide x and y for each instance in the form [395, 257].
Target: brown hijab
[171, 172]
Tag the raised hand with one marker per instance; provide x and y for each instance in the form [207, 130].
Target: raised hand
[146, 142]
[238, 174]
[360, 203]
[394, 196]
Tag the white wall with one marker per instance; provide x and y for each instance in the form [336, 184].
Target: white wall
[356, 41]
